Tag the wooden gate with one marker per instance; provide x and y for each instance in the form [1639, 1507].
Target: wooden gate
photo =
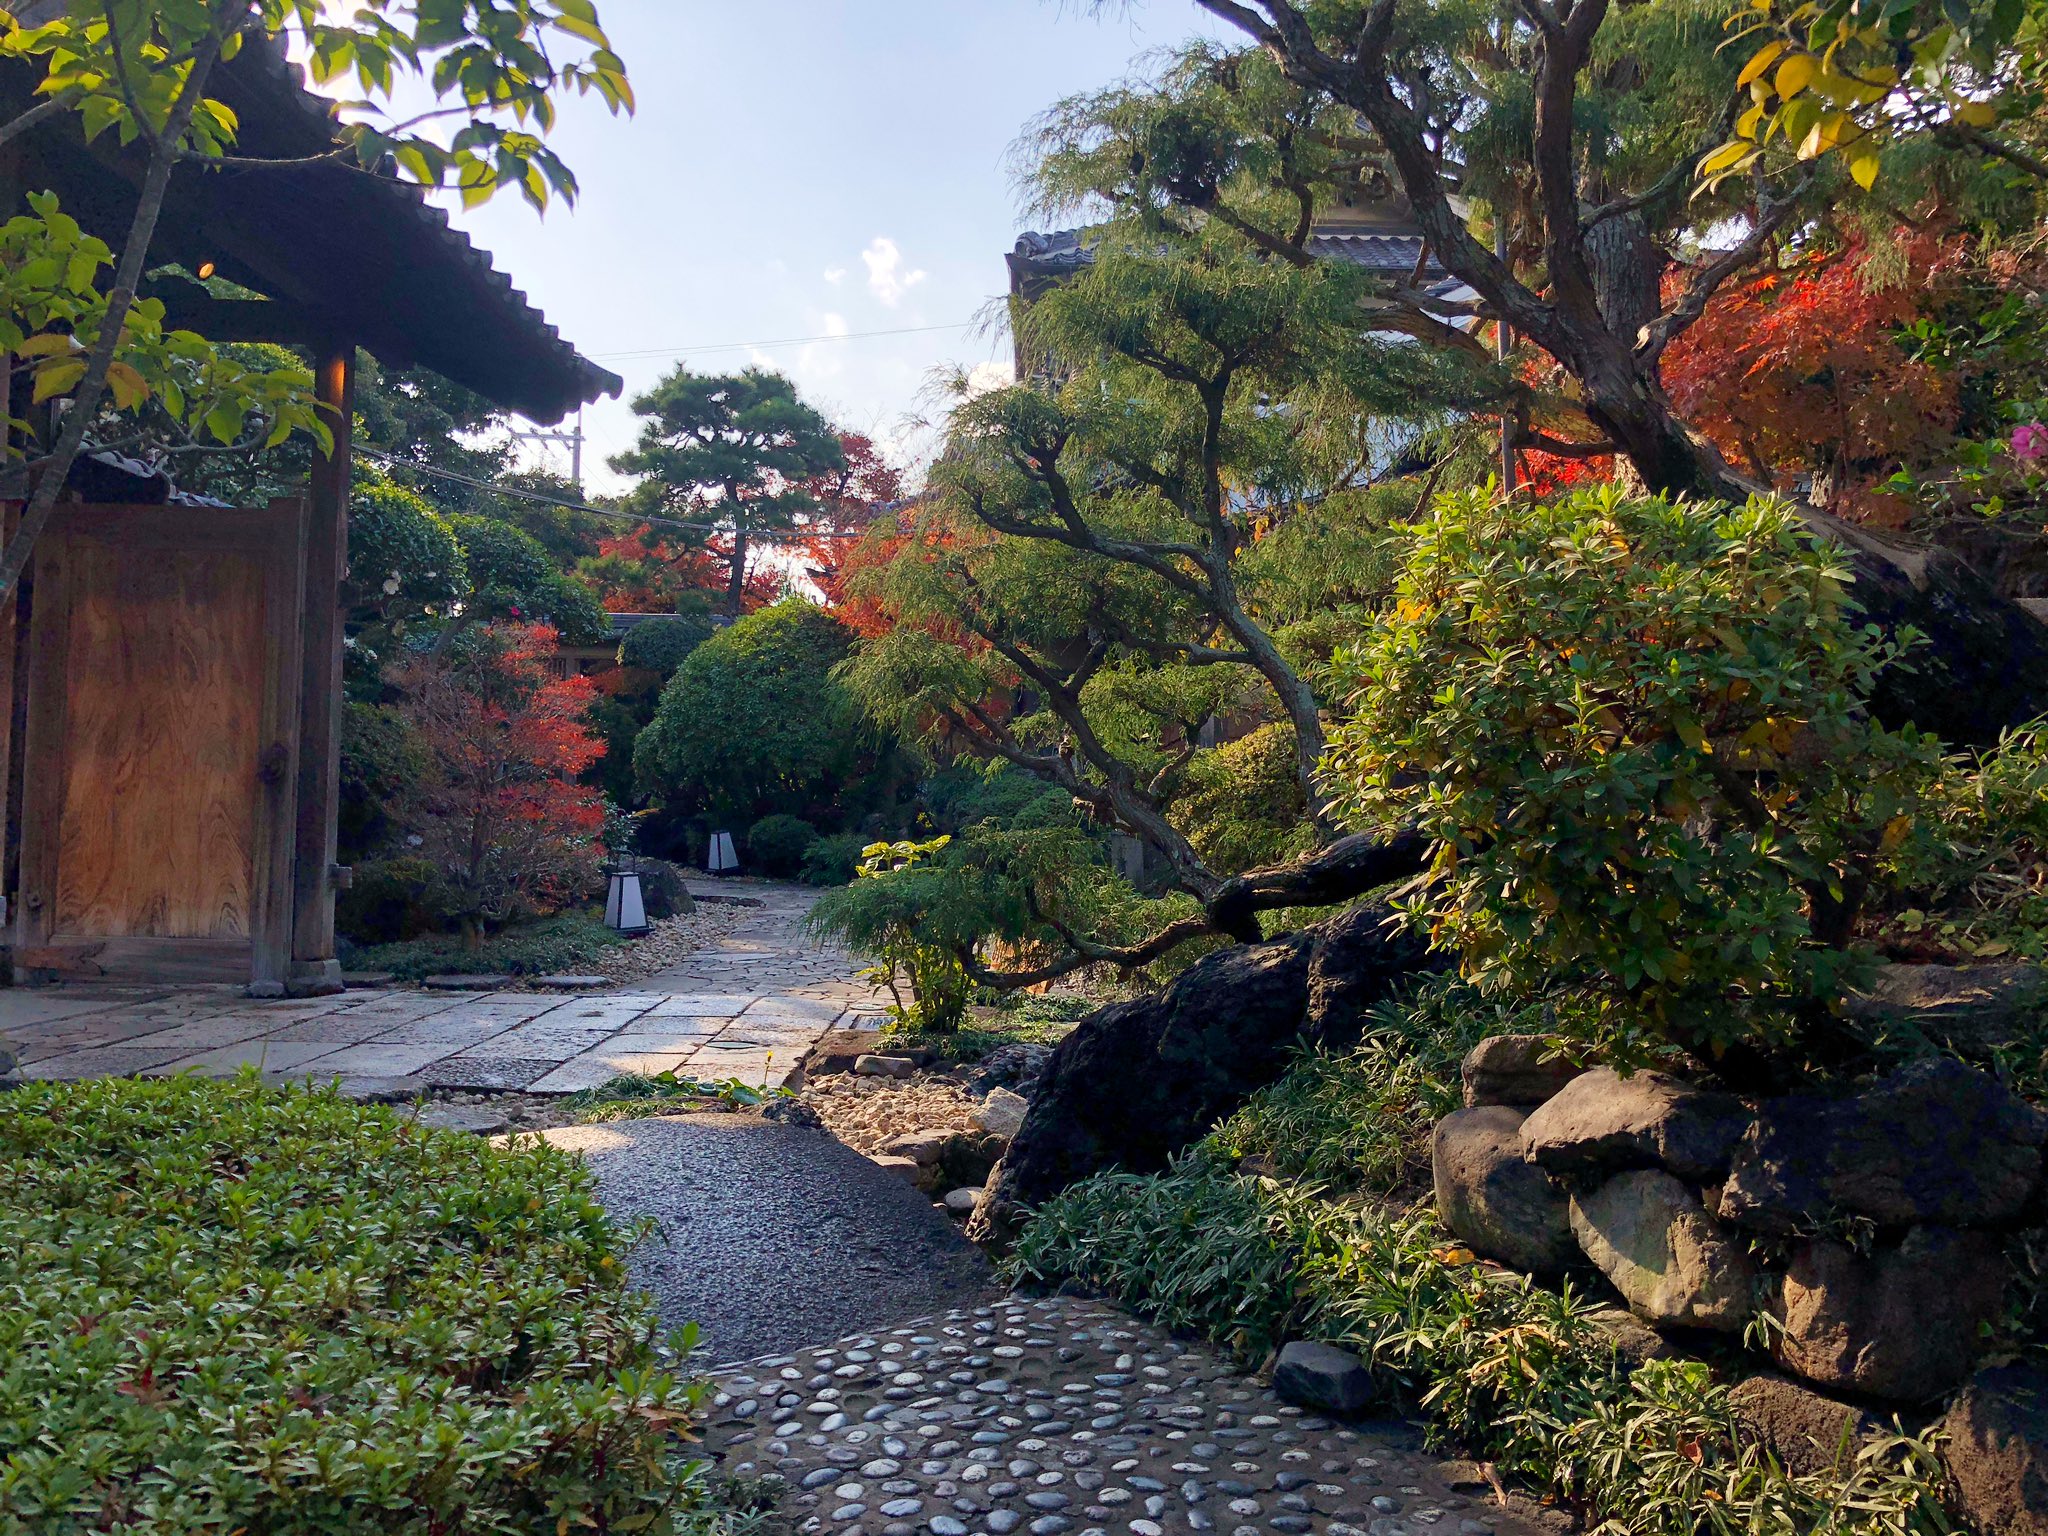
[162, 740]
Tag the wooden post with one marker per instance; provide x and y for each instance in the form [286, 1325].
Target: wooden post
[314, 969]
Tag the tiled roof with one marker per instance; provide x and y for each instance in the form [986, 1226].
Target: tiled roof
[370, 251]
[1064, 251]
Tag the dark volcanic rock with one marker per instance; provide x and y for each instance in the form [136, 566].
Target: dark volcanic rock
[1976, 1010]
[1321, 1376]
[1503, 1206]
[1604, 1122]
[1808, 1432]
[1358, 957]
[1512, 1069]
[1904, 1323]
[1137, 1081]
[1938, 1142]
[1997, 1451]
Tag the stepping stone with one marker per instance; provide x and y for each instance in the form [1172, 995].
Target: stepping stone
[466, 983]
[478, 1119]
[359, 981]
[574, 983]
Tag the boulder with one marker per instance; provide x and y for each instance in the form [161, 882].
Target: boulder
[969, 1157]
[1634, 1340]
[1975, 1010]
[885, 1066]
[1938, 1142]
[791, 1110]
[923, 1148]
[1997, 1451]
[663, 891]
[1503, 1206]
[1016, 1066]
[1137, 1081]
[1002, 1113]
[1904, 1323]
[1323, 1378]
[1514, 1069]
[1670, 1260]
[1360, 956]
[904, 1169]
[1602, 1122]
[1808, 1433]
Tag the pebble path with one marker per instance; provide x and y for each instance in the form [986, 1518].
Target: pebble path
[1057, 1416]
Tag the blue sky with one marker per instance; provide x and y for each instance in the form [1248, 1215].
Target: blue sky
[800, 168]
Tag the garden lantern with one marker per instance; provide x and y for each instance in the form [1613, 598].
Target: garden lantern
[722, 858]
[625, 908]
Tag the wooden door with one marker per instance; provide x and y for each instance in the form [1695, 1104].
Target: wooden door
[158, 797]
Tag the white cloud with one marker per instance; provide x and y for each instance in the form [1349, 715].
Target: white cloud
[835, 275]
[887, 279]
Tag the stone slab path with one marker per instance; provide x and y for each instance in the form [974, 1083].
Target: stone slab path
[1068, 1416]
[773, 1236]
[748, 1006]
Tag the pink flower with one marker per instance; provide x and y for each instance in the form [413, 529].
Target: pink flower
[2030, 443]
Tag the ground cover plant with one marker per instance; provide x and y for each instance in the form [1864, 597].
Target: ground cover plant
[230, 1307]
[567, 943]
[631, 1096]
[1500, 1366]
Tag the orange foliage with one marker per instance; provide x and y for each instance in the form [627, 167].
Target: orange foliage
[499, 813]
[1800, 372]
[847, 500]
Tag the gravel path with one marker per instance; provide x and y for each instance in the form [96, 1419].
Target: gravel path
[772, 1236]
[1069, 1416]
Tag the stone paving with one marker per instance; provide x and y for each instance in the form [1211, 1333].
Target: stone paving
[1066, 1415]
[748, 1006]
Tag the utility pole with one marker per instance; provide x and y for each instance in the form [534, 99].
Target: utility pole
[574, 440]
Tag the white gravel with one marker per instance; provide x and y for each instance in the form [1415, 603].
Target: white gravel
[864, 1112]
[669, 942]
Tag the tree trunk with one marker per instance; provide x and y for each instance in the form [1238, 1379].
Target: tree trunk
[736, 581]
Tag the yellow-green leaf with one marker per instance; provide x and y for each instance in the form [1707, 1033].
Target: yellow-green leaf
[1760, 61]
[58, 377]
[1795, 74]
[1863, 169]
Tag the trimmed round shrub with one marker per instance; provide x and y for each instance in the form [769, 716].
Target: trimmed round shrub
[777, 845]
[833, 860]
[231, 1307]
[662, 645]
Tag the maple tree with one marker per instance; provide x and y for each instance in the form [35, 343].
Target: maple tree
[497, 812]
[1802, 372]
[847, 500]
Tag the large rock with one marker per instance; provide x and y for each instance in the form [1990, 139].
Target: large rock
[1502, 1205]
[1809, 1433]
[1976, 1010]
[1904, 1323]
[1603, 1122]
[1322, 1377]
[1937, 1142]
[1360, 956]
[1672, 1263]
[1515, 1069]
[1997, 1451]
[1137, 1081]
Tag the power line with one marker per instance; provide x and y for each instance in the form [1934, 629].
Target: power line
[512, 493]
[783, 341]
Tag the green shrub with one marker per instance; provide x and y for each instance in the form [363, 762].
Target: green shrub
[1243, 806]
[230, 1307]
[390, 901]
[777, 844]
[1635, 729]
[380, 756]
[513, 576]
[402, 554]
[833, 860]
[566, 942]
[902, 913]
[664, 644]
[754, 722]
